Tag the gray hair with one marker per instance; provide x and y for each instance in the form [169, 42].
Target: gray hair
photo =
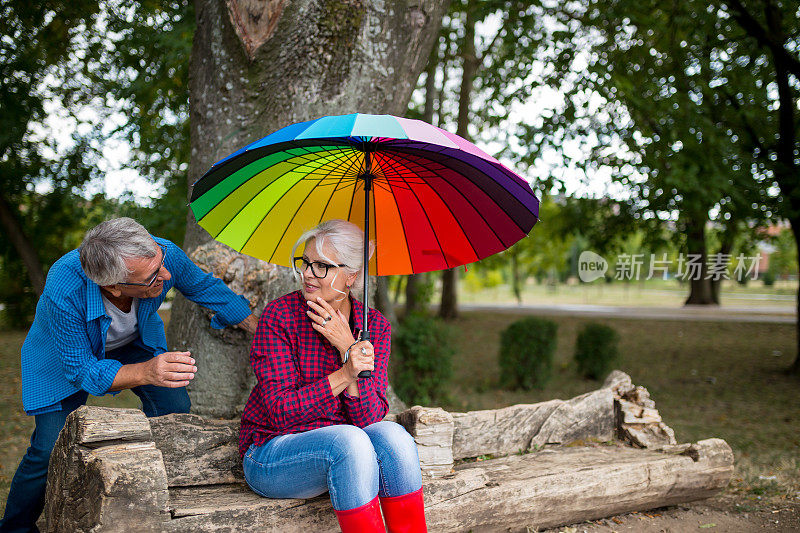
[347, 240]
[106, 247]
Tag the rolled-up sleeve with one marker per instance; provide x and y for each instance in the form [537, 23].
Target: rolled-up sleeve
[286, 403]
[370, 405]
[81, 367]
[206, 290]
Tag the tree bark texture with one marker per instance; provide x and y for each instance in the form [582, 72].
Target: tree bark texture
[257, 67]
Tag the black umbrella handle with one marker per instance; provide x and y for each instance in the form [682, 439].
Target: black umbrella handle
[368, 177]
[364, 336]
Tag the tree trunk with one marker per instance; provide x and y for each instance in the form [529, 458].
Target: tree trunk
[383, 302]
[22, 244]
[516, 282]
[794, 369]
[412, 291]
[786, 170]
[257, 67]
[413, 280]
[449, 305]
[699, 287]
[724, 251]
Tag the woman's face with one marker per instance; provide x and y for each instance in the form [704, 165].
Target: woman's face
[337, 277]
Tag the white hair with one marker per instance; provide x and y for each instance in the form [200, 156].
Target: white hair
[106, 247]
[347, 241]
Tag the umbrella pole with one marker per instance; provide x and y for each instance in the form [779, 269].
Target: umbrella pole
[364, 331]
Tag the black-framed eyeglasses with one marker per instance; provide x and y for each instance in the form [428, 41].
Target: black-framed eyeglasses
[152, 279]
[318, 269]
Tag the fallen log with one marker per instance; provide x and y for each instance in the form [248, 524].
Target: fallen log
[115, 470]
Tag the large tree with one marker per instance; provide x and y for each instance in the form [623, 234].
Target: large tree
[260, 66]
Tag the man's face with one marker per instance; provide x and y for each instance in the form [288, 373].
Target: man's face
[143, 270]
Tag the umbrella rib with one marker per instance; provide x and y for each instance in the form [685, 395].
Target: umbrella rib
[435, 236]
[328, 203]
[466, 199]
[403, 226]
[498, 204]
[248, 202]
[252, 198]
[477, 255]
[507, 173]
[272, 254]
[236, 163]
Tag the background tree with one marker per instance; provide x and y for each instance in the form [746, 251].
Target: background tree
[38, 40]
[701, 96]
[484, 55]
[643, 87]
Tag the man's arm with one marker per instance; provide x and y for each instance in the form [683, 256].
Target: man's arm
[249, 324]
[206, 290]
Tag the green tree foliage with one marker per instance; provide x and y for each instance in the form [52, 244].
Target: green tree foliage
[783, 259]
[140, 66]
[97, 65]
[669, 97]
[36, 71]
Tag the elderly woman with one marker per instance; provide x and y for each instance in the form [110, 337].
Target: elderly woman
[311, 424]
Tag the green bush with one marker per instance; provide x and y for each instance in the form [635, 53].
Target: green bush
[596, 350]
[422, 353]
[526, 353]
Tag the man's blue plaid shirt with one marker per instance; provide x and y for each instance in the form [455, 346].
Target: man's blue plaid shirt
[65, 347]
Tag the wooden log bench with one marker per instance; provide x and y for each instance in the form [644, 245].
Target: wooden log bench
[526, 466]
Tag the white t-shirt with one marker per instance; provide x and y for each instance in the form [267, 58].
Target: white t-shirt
[124, 327]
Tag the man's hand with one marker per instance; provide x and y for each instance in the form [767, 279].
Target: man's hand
[249, 324]
[169, 369]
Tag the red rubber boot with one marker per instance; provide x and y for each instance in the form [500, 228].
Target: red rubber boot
[405, 514]
[364, 519]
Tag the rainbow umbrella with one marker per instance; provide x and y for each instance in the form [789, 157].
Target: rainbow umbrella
[437, 200]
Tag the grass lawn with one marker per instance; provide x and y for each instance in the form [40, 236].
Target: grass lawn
[650, 293]
[708, 379]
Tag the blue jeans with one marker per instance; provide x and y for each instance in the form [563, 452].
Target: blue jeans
[354, 464]
[26, 497]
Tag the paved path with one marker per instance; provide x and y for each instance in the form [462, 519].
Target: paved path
[776, 314]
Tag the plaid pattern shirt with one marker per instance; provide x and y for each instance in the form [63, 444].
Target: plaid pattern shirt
[292, 362]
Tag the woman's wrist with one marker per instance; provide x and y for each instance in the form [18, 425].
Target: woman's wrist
[347, 376]
[345, 353]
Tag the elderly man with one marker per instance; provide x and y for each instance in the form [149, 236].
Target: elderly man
[97, 331]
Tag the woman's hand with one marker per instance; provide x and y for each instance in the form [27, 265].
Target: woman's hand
[362, 357]
[333, 325]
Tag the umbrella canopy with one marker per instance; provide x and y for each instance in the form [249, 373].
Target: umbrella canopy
[437, 200]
